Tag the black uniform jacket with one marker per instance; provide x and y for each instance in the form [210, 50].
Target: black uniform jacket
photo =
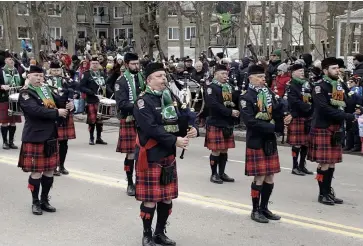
[90, 87]
[258, 131]
[4, 95]
[298, 108]
[149, 123]
[122, 90]
[110, 83]
[219, 115]
[40, 122]
[326, 114]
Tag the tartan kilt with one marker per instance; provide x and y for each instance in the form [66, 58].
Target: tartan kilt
[4, 116]
[258, 164]
[127, 137]
[296, 132]
[214, 139]
[148, 187]
[320, 149]
[32, 159]
[67, 131]
[92, 113]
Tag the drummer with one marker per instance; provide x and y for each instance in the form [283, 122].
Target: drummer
[9, 78]
[93, 85]
[127, 89]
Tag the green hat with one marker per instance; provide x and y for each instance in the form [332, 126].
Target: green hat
[277, 53]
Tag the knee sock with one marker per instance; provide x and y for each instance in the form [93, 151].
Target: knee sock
[99, 128]
[47, 183]
[147, 215]
[223, 157]
[163, 211]
[213, 160]
[255, 194]
[91, 128]
[303, 154]
[34, 186]
[4, 133]
[322, 176]
[295, 156]
[129, 169]
[265, 194]
[12, 130]
[63, 149]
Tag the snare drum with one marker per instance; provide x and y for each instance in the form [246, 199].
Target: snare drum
[14, 106]
[106, 108]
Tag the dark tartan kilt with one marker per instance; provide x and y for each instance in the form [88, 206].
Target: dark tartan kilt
[215, 141]
[258, 164]
[4, 116]
[67, 131]
[127, 137]
[32, 159]
[320, 149]
[296, 134]
[148, 187]
[92, 113]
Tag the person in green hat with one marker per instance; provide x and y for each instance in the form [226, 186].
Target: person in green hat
[275, 61]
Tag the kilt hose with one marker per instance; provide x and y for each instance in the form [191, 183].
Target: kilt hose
[320, 149]
[32, 158]
[258, 164]
[148, 187]
[127, 137]
[4, 116]
[92, 113]
[214, 139]
[67, 130]
[296, 133]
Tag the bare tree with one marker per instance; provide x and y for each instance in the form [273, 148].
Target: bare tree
[263, 27]
[348, 32]
[163, 27]
[69, 22]
[242, 27]
[136, 14]
[305, 26]
[287, 28]
[8, 15]
[181, 28]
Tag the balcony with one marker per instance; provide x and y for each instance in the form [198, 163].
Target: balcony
[218, 41]
[101, 20]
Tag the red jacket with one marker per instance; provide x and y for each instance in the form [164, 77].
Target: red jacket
[281, 81]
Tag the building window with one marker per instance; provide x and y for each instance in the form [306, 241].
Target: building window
[23, 32]
[1, 32]
[123, 33]
[355, 47]
[189, 32]
[119, 12]
[101, 32]
[55, 32]
[173, 33]
[23, 8]
[100, 11]
[81, 34]
[54, 9]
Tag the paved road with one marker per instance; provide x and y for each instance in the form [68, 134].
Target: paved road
[93, 208]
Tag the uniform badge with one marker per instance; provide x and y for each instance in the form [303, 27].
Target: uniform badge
[209, 91]
[317, 89]
[117, 87]
[243, 104]
[141, 104]
[25, 96]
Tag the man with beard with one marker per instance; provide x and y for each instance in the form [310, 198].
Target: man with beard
[9, 78]
[219, 133]
[299, 100]
[275, 61]
[93, 85]
[127, 89]
[326, 135]
[263, 116]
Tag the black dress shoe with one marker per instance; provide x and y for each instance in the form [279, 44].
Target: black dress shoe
[346, 148]
[259, 217]
[36, 209]
[269, 215]
[63, 171]
[91, 142]
[6, 146]
[224, 177]
[100, 141]
[297, 172]
[326, 200]
[148, 241]
[56, 173]
[47, 207]
[131, 190]
[163, 240]
[306, 171]
[332, 196]
[216, 179]
[12, 145]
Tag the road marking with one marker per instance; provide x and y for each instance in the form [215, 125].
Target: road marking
[215, 203]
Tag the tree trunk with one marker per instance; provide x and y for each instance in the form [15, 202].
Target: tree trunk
[287, 28]
[151, 31]
[163, 28]
[263, 31]
[198, 28]
[242, 35]
[69, 22]
[181, 30]
[136, 12]
[36, 29]
[271, 15]
[348, 32]
[332, 10]
[207, 14]
[305, 26]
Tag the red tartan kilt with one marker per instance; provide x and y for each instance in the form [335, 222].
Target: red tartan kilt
[92, 113]
[295, 133]
[127, 137]
[32, 159]
[148, 187]
[215, 141]
[4, 116]
[258, 164]
[67, 131]
[320, 149]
